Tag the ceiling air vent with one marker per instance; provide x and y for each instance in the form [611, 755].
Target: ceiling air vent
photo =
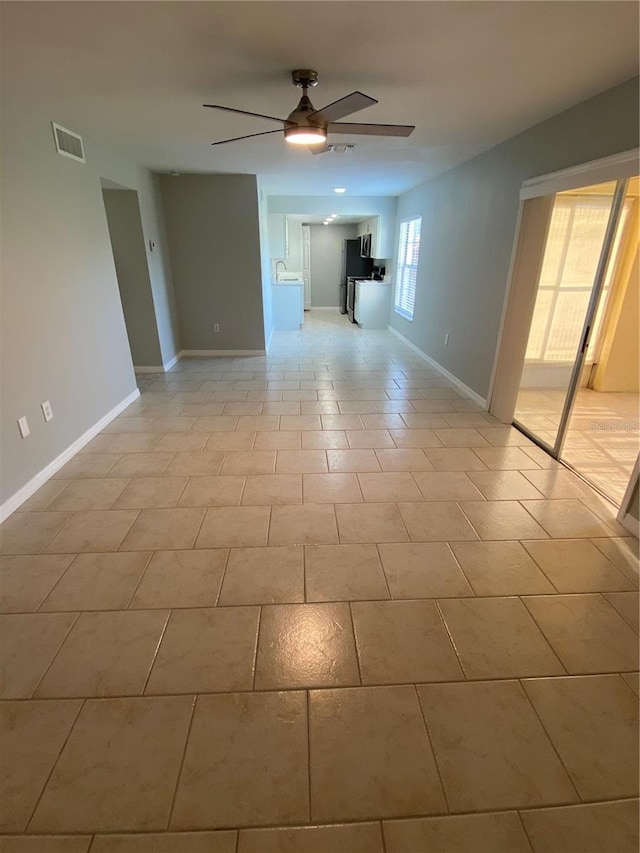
[68, 143]
[340, 148]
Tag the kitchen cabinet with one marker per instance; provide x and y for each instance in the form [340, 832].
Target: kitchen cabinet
[278, 227]
[381, 229]
[372, 304]
[287, 299]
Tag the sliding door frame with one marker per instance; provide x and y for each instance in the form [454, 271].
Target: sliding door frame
[598, 284]
[596, 292]
[530, 237]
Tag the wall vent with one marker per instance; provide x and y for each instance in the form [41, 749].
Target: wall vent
[68, 143]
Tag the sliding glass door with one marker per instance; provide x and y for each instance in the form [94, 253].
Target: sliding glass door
[579, 249]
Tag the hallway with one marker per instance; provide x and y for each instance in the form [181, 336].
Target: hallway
[317, 601]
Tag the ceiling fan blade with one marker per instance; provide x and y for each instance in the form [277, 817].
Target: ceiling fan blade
[344, 107]
[246, 113]
[371, 129]
[318, 149]
[248, 136]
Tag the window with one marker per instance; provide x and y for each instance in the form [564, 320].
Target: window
[576, 232]
[407, 271]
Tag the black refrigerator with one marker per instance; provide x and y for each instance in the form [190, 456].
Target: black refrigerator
[353, 266]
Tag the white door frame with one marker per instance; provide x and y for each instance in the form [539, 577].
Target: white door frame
[305, 250]
[625, 517]
[536, 202]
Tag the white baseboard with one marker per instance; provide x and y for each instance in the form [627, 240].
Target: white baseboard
[30, 488]
[161, 368]
[468, 392]
[229, 353]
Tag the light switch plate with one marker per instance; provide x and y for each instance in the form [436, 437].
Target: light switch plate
[23, 426]
[47, 411]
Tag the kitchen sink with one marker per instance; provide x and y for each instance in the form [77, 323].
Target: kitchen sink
[289, 276]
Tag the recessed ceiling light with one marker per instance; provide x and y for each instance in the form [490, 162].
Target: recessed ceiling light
[339, 189]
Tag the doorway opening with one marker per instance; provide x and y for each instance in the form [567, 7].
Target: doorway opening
[132, 271]
[578, 392]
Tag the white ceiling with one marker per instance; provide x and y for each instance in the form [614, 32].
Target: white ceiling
[467, 74]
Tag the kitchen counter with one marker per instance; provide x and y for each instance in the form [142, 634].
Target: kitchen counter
[372, 303]
[288, 304]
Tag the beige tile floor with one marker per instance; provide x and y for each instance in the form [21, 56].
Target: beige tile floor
[316, 602]
[603, 436]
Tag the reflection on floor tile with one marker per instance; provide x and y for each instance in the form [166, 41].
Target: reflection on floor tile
[306, 645]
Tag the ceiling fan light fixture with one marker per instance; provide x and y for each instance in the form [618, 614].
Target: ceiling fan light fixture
[305, 135]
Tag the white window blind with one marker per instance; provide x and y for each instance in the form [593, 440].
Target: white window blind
[574, 243]
[407, 271]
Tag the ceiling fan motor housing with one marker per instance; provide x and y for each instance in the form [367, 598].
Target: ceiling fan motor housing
[304, 78]
[303, 115]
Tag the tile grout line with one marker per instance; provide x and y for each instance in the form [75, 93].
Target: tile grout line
[309, 795]
[547, 640]
[182, 760]
[155, 653]
[222, 577]
[254, 668]
[140, 579]
[356, 645]
[432, 748]
[465, 678]
[32, 695]
[83, 702]
[524, 829]
[522, 599]
[580, 800]
[348, 822]
[48, 595]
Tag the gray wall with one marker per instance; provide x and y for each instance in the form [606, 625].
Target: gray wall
[127, 243]
[468, 228]
[214, 238]
[62, 330]
[159, 266]
[327, 243]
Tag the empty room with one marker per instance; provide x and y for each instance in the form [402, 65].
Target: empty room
[319, 426]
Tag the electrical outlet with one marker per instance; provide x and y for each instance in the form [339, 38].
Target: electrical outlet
[23, 426]
[47, 411]
[216, 327]
[446, 339]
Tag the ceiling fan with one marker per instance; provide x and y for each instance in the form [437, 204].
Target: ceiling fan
[308, 126]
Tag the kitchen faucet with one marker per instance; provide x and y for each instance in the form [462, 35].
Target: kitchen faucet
[283, 264]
